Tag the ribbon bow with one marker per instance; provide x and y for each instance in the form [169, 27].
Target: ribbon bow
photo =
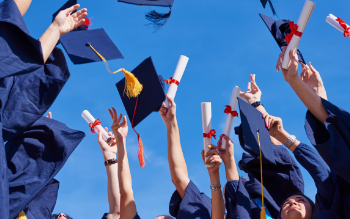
[294, 31]
[172, 81]
[92, 125]
[345, 26]
[210, 134]
[228, 110]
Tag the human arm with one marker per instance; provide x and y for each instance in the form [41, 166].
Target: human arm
[311, 100]
[217, 200]
[63, 23]
[127, 202]
[228, 158]
[23, 5]
[109, 152]
[176, 159]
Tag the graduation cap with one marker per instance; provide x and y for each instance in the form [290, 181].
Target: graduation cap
[158, 20]
[264, 2]
[69, 4]
[279, 30]
[149, 100]
[90, 46]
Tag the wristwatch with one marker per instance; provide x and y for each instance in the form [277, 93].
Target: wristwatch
[215, 187]
[111, 161]
[256, 104]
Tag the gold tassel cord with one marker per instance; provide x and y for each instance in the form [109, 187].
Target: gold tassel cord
[262, 212]
[22, 215]
[132, 85]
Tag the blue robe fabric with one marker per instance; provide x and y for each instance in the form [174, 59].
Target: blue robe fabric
[332, 139]
[28, 86]
[33, 159]
[194, 205]
[240, 202]
[332, 198]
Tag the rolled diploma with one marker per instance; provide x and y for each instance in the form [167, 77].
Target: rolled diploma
[90, 119]
[331, 19]
[230, 118]
[206, 122]
[302, 22]
[179, 71]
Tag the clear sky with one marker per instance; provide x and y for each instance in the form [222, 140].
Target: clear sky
[225, 41]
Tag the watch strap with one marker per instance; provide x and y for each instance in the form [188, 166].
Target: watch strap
[111, 161]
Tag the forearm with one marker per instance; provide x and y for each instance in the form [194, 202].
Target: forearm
[231, 170]
[283, 137]
[113, 186]
[310, 99]
[127, 202]
[23, 5]
[176, 159]
[49, 40]
[217, 201]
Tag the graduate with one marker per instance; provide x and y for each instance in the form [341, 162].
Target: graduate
[32, 75]
[187, 201]
[326, 138]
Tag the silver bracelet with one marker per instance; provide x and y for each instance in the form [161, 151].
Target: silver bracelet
[215, 187]
[292, 143]
[289, 140]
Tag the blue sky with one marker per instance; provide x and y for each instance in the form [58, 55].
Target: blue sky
[225, 41]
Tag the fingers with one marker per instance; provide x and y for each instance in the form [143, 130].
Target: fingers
[215, 159]
[313, 69]
[111, 113]
[163, 110]
[70, 10]
[170, 100]
[280, 61]
[202, 153]
[248, 87]
[100, 139]
[119, 118]
[212, 146]
[106, 129]
[49, 115]
[211, 153]
[124, 122]
[227, 139]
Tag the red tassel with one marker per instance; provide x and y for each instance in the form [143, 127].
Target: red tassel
[140, 155]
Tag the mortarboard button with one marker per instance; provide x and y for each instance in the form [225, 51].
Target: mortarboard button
[158, 20]
[149, 100]
[279, 30]
[251, 121]
[78, 46]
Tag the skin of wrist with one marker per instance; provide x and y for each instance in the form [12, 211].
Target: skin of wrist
[55, 27]
[282, 136]
[214, 178]
[292, 79]
[108, 155]
[172, 123]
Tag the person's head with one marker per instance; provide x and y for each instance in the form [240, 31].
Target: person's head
[297, 206]
[61, 216]
[163, 217]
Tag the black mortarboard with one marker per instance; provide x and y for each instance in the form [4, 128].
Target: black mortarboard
[33, 159]
[157, 19]
[264, 2]
[251, 121]
[69, 4]
[279, 30]
[77, 45]
[151, 97]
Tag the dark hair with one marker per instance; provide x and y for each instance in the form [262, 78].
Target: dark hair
[55, 216]
[301, 194]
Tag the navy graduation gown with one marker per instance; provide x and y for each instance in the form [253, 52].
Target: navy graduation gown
[194, 205]
[33, 159]
[240, 202]
[282, 179]
[332, 198]
[332, 139]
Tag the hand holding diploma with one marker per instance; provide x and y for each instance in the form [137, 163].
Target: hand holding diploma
[95, 126]
[208, 133]
[297, 30]
[175, 80]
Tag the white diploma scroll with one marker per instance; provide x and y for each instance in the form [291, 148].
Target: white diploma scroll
[206, 121]
[230, 118]
[179, 71]
[302, 22]
[331, 19]
[90, 119]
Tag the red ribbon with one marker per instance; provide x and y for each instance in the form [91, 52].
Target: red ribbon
[228, 110]
[294, 31]
[92, 125]
[345, 26]
[86, 23]
[210, 134]
[172, 81]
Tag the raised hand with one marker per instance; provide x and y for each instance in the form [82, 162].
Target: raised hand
[66, 22]
[168, 114]
[292, 70]
[112, 148]
[313, 79]
[212, 158]
[275, 126]
[120, 129]
[253, 93]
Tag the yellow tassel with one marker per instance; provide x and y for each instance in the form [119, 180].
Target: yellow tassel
[22, 215]
[262, 212]
[132, 85]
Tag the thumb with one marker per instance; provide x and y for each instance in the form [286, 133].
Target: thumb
[170, 100]
[312, 68]
[100, 139]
